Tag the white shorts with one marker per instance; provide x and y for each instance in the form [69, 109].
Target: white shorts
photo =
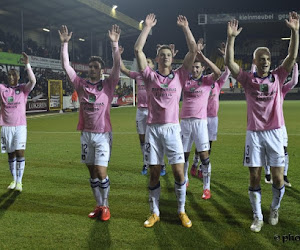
[264, 148]
[194, 130]
[212, 125]
[96, 148]
[285, 136]
[163, 139]
[141, 119]
[13, 138]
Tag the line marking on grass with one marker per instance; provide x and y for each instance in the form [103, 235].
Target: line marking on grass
[129, 133]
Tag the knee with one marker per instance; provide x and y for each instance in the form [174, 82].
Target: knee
[277, 180]
[254, 180]
[205, 161]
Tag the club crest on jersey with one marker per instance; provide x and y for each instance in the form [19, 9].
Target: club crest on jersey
[92, 98]
[10, 99]
[163, 85]
[263, 87]
[17, 91]
[171, 76]
[213, 86]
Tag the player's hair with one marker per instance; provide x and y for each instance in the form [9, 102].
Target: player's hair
[152, 60]
[263, 49]
[14, 71]
[97, 59]
[164, 46]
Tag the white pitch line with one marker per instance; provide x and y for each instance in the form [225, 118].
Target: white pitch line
[129, 133]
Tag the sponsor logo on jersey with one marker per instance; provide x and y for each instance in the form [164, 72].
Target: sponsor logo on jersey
[92, 98]
[10, 99]
[213, 86]
[163, 85]
[264, 87]
[192, 89]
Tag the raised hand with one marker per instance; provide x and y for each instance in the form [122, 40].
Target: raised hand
[121, 50]
[150, 20]
[182, 21]
[174, 52]
[293, 22]
[200, 56]
[200, 44]
[232, 28]
[25, 58]
[222, 49]
[114, 33]
[64, 35]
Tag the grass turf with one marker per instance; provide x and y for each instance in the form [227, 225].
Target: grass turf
[51, 212]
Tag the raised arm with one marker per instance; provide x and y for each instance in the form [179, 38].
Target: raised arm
[223, 78]
[123, 69]
[174, 51]
[65, 37]
[200, 56]
[215, 70]
[191, 43]
[32, 80]
[114, 36]
[293, 24]
[232, 33]
[253, 68]
[150, 21]
[293, 82]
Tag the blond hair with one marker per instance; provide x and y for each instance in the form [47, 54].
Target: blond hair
[263, 49]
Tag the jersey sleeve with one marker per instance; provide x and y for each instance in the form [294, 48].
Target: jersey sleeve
[293, 82]
[133, 74]
[223, 78]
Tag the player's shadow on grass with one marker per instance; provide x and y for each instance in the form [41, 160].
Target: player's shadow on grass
[292, 192]
[6, 200]
[99, 237]
[239, 202]
[195, 204]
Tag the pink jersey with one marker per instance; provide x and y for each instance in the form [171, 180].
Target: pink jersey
[141, 90]
[163, 93]
[263, 95]
[290, 85]
[13, 102]
[95, 98]
[195, 97]
[213, 99]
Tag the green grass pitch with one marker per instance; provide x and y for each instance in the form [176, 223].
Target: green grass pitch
[51, 212]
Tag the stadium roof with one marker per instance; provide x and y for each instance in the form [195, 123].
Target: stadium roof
[83, 17]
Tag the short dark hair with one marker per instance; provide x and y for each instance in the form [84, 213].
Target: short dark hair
[97, 59]
[164, 46]
[152, 60]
